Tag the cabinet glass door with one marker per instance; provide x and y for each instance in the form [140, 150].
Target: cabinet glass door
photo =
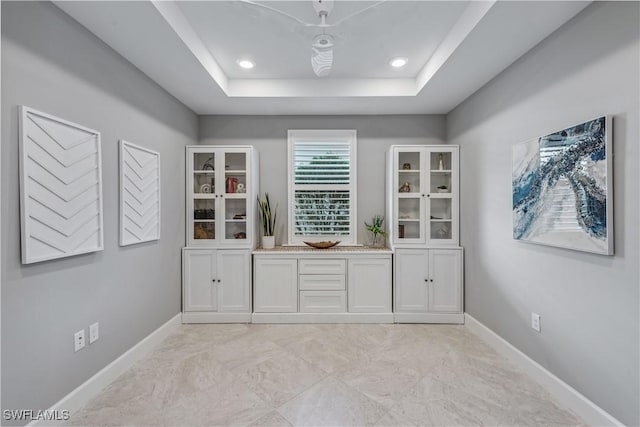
[203, 215]
[410, 197]
[441, 198]
[235, 196]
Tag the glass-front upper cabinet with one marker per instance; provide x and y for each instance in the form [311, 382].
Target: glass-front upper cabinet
[423, 195]
[221, 189]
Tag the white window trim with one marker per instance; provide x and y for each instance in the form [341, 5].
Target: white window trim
[312, 135]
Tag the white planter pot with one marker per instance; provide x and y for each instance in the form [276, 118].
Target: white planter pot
[268, 242]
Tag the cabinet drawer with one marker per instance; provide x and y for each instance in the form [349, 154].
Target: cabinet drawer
[322, 282]
[322, 266]
[322, 302]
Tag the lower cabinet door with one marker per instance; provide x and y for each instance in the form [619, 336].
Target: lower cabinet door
[412, 280]
[275, 284]
[200, 280]
[369, 285]
[234, 286]
[322, 302]
[445, 285]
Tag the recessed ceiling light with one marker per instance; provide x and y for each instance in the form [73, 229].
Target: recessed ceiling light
[398, 62]
[246, 64]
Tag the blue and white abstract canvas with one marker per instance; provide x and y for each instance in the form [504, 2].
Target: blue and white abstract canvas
[562, 192]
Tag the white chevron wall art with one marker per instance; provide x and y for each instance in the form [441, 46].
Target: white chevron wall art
[61, 188]
[139, 194]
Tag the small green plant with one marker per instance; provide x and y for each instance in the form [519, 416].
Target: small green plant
[267, 216]
[376, 228]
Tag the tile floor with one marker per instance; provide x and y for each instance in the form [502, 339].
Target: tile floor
[324, 375]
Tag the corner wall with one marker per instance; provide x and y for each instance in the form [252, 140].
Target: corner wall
[268, 134]
[589, 304]
[53, 64]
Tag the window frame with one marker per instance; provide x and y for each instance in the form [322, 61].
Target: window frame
[325, 135]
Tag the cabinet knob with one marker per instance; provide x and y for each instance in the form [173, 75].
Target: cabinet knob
[213, 280]
[428, 195]
[218, 280]
[426, 280]
[431, 280]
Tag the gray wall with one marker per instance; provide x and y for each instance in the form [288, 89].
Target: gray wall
[375, 134]
[588, 303]
[51, 63]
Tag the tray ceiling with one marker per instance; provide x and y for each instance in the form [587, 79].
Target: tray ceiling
[191, 48]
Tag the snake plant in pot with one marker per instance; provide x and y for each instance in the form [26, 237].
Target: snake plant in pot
[268, 219]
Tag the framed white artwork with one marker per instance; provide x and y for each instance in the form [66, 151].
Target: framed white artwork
[60, 187]
[139, 194]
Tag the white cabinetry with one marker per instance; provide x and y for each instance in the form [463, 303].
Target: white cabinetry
[296, 285]
[276, 285]
[422, 195]
[221, 228]
[369, 285]
[216, 285]
[428, 286]
[423, 217]
[221, 195]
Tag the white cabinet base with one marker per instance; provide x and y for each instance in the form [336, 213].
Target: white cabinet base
[452, 318]
[206, 317]
[322, 318]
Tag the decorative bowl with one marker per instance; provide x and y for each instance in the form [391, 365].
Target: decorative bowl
[322, 245]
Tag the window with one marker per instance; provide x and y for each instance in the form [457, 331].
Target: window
[322, 183]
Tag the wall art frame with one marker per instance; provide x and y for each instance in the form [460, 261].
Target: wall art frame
[140, 192]
[61, 204]
[562, 188]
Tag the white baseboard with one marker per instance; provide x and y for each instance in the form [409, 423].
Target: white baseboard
[453, 318]
[567, 395]
[205, 317]
[322, 318]
[75, 400]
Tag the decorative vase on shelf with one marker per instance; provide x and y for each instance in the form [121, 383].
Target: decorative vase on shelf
[376, 240]
[268, 242]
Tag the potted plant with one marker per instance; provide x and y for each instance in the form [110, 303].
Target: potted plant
[376, 229]
[268, 219]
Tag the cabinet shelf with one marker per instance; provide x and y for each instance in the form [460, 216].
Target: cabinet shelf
[218, 168]
[434, 168]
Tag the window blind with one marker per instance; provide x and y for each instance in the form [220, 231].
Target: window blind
[322, 191]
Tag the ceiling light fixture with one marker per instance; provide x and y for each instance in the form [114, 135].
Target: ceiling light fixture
[398, 62]
[246, 64]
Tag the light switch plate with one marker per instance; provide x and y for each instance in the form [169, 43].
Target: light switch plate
[94, 332]
[535, 322]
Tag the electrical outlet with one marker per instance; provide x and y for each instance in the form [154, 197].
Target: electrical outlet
[535, 321]
[94, 332]
[78, 340]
